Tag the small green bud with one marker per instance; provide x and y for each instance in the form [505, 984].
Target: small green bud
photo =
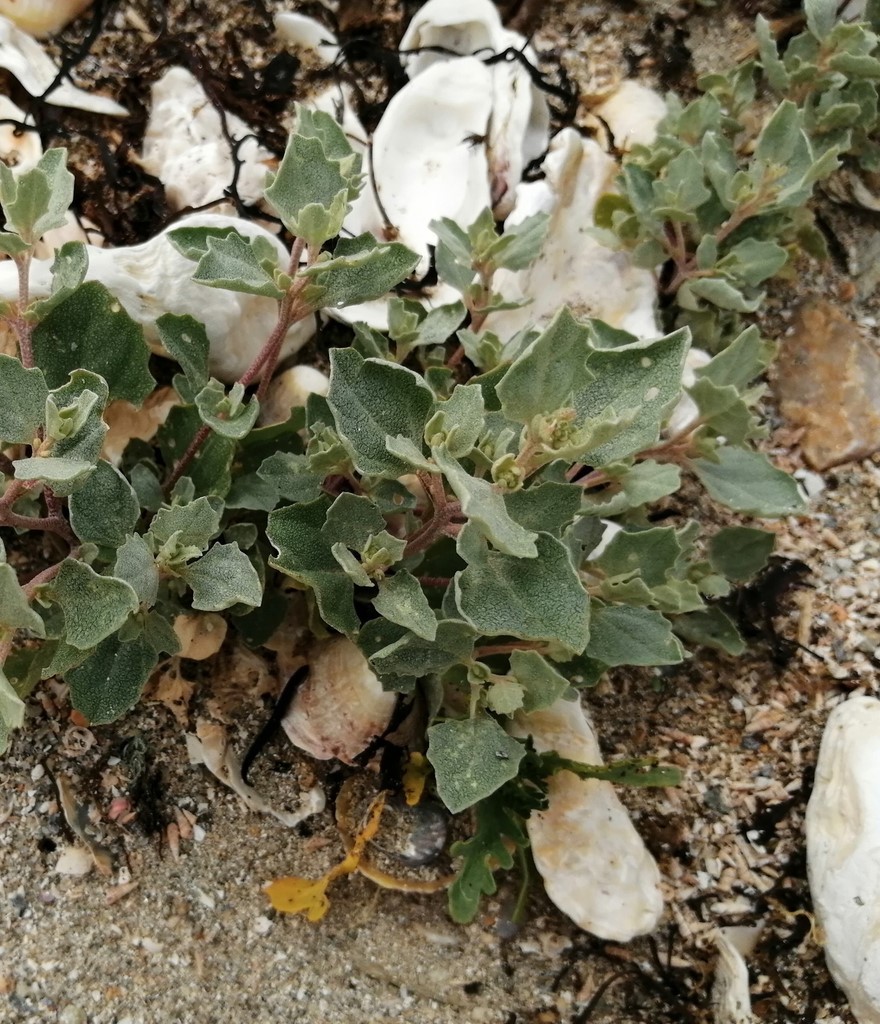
[507, 473]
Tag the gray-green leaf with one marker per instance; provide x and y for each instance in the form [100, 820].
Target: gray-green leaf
[94, 606]
[222, 577]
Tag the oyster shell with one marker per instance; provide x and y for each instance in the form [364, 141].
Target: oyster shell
[186, 148]
[153, 278]
[573, 268]
[425, 163]
[519, 126]
[341, 707]
[305, 33]
[23, 57]
[843, 837]
[42, 17]
[595, 867]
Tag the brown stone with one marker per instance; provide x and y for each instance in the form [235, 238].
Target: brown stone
[827, 381]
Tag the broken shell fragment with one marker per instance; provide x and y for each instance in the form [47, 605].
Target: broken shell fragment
[685, 411]
[731, 999]
[187, 148]
[632, 113]
[23, 57]
[843, 837]
[20, 150]
[153, 278]
[42, 17]
[595, 867]
[305, 33]
[574, 269]
[341, 707]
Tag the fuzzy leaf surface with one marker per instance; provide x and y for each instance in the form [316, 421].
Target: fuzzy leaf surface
[471, 759]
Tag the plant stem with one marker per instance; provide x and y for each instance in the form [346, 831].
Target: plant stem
[515, 645]
[22, 327]
[290, 311]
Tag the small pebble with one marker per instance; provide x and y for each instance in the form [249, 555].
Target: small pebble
[37, 772]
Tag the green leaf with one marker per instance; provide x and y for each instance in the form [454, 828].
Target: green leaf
[739, 552]
[544, 376]
[109, 682]
[710, 627]
[23, 395]
[94, 606]
[471, 759]
[222, 577]
[194, 524]
[351, 520]
[238, 264]
[630, 772]
[458, 422]
[746, 481]
[12, 245]
[160, 635]
[498, 828]
[747, 356]
[454, 254]
[620, 635]
[11, 711]
[305, 555]
[821, 17]
[542, 684]
[360, 269]
[91, 330]
[105, 509]
[15, 612]
[484, 506]
[135, 564]
[644, 377]
[68, 272]
[186, 341]
[531, 598]
[372, 399]
[290, 476]
[545, 508]
[38, 200]
[640, 484]
[774, 68]
[62, 475]
[650, 553]
[312, 189]
[402, 600]
[520, 244]
[227, 414]
[716, 291]
[752, 261]
[412, 656]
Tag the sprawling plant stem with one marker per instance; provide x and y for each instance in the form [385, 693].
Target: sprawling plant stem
[291, 310]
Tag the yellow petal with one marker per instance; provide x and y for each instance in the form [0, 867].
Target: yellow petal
[415, 775]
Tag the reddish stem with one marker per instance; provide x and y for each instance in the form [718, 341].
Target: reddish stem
[22, 327]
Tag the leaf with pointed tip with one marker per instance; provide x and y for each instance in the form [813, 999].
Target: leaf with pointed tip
[186, 341]
[620, 635]
[221, 578]
[237, 264]
[110, 680]
[38, 200]
[360, 269]
[746, 481]
[94, 606]
[15, 612]
[402, 600]
[105, 509]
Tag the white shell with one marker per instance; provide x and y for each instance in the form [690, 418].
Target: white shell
[341, 707]
[843, 840]
[42, 17]
[632, 113]
[305, 33]
[154, 278]
[22, 56]
[686, 411]
[291, 389]
[573, 268]
[209, 745]
[731, 999]
[186, 148]
[519, 126]
[425, 164]
[595, 867]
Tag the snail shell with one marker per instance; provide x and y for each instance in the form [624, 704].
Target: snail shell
[341, 708]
